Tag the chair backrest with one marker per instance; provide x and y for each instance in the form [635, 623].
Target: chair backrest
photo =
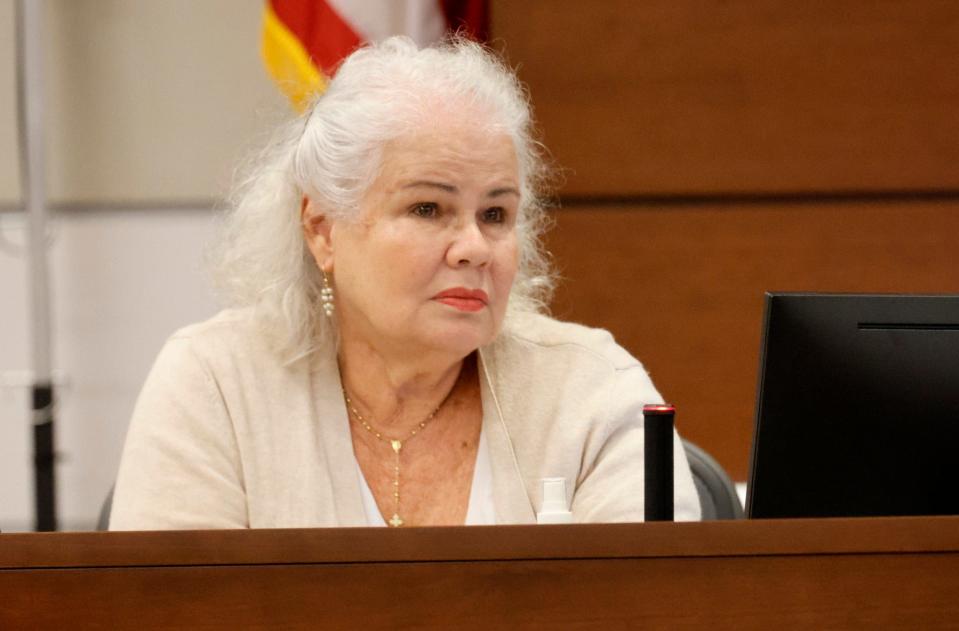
[103, 521]
[717, 493]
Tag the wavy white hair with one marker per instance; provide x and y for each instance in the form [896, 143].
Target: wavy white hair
[332, 154]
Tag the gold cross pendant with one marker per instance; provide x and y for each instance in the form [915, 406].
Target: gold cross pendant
[396, 521]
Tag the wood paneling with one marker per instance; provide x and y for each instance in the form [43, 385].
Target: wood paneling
[682, 287]
[863, 573]
[684, 96]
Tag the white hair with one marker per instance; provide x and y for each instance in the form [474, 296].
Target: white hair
[331, 154]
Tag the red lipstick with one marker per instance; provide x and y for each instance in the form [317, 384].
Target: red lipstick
[463, 299]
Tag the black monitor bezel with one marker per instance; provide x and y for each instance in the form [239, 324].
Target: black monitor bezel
[770, 297]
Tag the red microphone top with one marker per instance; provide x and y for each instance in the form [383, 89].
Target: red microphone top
[658, 408]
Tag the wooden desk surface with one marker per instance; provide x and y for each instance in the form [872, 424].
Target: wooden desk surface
[836, 573]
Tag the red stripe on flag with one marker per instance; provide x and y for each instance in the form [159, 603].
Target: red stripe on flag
[324, 34]
[469, 15]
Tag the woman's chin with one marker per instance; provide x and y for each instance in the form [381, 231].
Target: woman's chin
[460, 339]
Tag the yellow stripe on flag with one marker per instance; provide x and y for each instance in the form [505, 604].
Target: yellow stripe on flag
[288, 62]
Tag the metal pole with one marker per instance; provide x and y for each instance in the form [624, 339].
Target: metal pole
[30, 100]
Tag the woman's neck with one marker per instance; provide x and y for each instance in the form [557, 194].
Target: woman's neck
[396, 393]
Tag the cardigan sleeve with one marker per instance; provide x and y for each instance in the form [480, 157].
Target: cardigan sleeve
[612, 485]
[180, 467]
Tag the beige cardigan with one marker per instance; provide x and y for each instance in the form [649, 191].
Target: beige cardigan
[225, 436]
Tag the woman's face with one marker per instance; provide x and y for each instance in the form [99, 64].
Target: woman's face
[430, 262]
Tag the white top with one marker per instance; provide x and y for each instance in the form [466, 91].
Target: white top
[481, 510]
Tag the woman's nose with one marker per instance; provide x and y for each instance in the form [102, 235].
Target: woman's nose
[469, 246]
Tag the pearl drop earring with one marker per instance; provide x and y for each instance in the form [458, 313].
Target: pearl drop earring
[326, 296]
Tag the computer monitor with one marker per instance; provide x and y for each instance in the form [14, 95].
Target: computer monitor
[857, 407]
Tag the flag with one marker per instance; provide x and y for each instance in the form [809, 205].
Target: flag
[305, 40]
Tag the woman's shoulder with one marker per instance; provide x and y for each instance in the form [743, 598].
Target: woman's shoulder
[228, 323]
[542, 334]
[230, 336]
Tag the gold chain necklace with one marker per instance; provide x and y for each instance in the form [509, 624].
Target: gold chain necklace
[397, 445]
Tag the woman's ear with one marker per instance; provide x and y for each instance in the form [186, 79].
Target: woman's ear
[318, 232]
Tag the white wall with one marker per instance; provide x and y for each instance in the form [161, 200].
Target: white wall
[122, 281]
[146, 100]
[149, 106]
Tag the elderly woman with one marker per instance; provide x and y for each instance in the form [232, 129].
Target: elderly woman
[387, 362]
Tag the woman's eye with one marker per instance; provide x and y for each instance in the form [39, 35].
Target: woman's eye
[494, 215]
[425, 209]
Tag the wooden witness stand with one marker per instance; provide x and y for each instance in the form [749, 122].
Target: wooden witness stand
[830, 573]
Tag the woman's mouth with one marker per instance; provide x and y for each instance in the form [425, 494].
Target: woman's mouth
[463, 299]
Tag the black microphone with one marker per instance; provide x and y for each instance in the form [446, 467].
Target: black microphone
[658, 454]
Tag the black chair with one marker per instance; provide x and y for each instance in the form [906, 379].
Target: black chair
[717, 493]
